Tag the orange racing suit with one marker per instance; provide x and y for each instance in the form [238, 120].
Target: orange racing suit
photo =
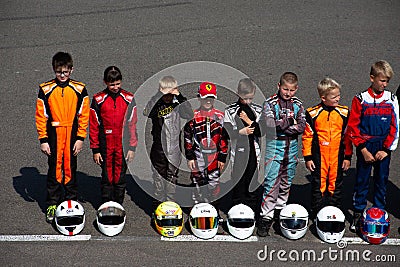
[62, 116]
[325, 143]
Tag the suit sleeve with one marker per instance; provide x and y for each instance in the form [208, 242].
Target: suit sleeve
[223, 146]
[307, 138]
[188, 140]
[83, 116]
[185, 108]
[132, 121]
[390, 143]
[150, 110]
[298, 128]
[353, 130]
[94, 127]
[41, 117]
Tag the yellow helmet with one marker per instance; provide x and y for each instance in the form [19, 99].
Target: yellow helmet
[168, 219]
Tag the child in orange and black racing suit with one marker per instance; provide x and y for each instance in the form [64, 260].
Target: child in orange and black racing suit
[327, 150]
[62, 116]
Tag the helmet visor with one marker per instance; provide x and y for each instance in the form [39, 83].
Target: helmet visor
[169, 220]
[376, 228]
[241, 223]
[331, 226]
[69, 220]
[293, 223]
[204, 223]
[111, 216]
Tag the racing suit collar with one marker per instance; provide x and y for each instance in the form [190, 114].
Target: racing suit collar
[62, 84]
[373, 94]
[112, 94]
[328, 108]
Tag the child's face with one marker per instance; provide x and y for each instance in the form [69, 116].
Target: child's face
[207, 103]
[287, 90]
[332, 98]
[379, 83]
[246, 98]
[63, 73]
[114, 86]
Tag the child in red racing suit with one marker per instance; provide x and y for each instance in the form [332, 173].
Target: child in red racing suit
[206, 145]
[110, 111]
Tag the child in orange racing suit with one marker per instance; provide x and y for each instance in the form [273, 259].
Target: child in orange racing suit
[327, 150]
[62, 116]
[206, 146]
[113, 119]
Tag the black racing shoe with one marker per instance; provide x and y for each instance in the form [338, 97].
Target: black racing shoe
[277, 212]
[263, 227]
[355, 222]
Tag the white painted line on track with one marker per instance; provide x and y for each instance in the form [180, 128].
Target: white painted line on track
[179, 238]
[218, 238]
[32, 238]
[359, 241]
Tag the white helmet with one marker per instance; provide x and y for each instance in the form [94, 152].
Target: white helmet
[203, 220]
[293, 221]
[70, 217]
[111, 218]
[330, 224]
[241, 221]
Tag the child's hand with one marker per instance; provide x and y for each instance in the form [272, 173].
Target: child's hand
[191, 164]
[380, 155]
[221, 165]
[346, 164]
[130, 156]
[97, 158]
[310, 165]
[246, 130]
[174, 91]
[77, 147]
[245, 118]
[368, 157]
[45, 148]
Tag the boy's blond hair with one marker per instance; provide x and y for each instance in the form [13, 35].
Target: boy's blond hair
[381, 67]
[327, 85]
[288, 77]
[168, 82]
[246, 86]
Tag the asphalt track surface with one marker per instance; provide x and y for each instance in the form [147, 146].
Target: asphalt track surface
[262, 39]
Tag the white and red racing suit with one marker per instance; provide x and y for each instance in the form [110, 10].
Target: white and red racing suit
[206, 143]
[113, 120]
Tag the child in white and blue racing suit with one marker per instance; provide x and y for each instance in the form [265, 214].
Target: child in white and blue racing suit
[285, 120]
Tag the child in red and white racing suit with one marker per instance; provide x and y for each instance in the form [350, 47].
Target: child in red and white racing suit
[111, 110]
[206, 145]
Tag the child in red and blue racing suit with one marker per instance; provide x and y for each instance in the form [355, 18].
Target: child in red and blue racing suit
[206, 146]
[285, 117]
[374, 129]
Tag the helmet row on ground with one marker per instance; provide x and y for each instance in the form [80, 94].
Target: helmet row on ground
[204, 220]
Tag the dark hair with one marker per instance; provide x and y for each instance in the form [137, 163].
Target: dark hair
[62, 59]
[112, 74]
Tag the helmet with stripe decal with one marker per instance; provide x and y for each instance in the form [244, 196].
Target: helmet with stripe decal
[70, 217]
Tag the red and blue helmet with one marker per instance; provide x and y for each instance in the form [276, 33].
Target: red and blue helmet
[375, 225]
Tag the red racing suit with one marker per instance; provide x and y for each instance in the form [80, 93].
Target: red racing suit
[62, 117]
[206, 142]
[113, 121]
